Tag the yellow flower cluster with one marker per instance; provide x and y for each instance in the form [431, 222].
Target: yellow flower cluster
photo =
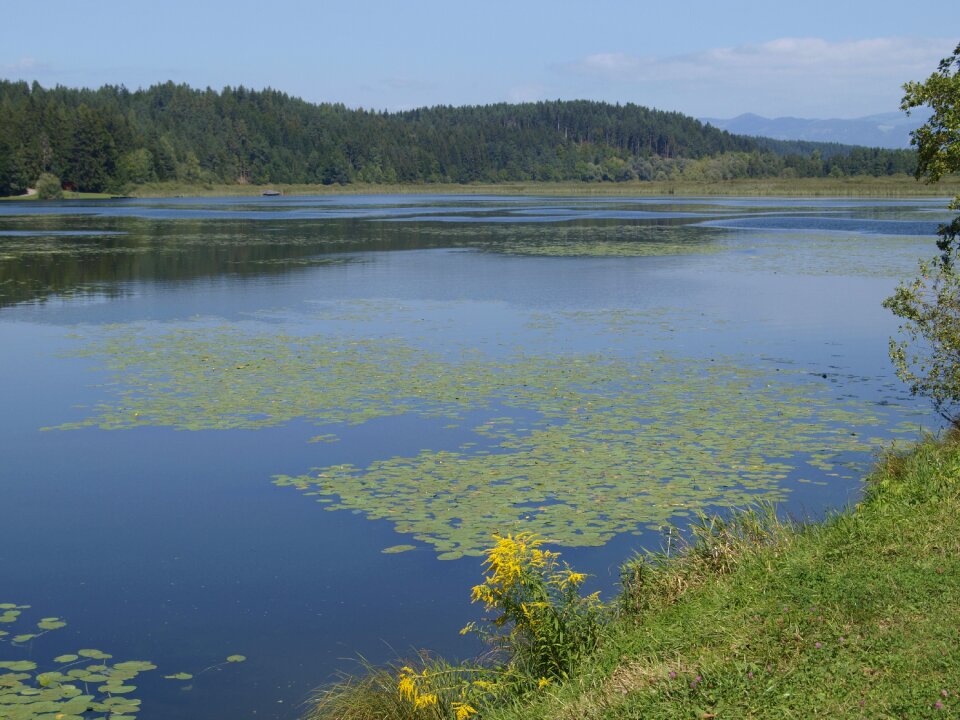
[572, 578]
[463, 710]
[407, 686]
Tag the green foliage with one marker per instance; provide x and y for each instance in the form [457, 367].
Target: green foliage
[136, 167]
[929, 359]
[110, 138]
[48, 187]
[11, 171]
[938, 140]
[542, 622]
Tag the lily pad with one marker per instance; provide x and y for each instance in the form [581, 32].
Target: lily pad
[94, 654]
[179, 676]
[398, 549]
[18, 665]
[51, 623]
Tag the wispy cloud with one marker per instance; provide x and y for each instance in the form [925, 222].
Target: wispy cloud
[25, 66]
[792, 74]
[526, 93]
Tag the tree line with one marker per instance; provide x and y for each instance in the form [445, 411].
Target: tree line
[113, 138]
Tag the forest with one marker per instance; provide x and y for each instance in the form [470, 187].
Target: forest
[112, 139]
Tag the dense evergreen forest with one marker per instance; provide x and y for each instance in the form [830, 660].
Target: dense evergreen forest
[112, 139]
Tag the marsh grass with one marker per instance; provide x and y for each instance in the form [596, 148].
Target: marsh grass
[372, 694]
[858, 186]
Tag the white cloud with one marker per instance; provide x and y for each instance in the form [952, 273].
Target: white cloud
[781, 76]
[526, 93]
[25, 66]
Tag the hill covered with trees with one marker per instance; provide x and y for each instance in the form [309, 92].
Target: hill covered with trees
[113, 138]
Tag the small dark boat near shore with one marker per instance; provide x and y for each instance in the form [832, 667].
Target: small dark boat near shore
[271, 193]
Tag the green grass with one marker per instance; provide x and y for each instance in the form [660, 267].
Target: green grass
[854, 617]
[757, 617]
[67, 195]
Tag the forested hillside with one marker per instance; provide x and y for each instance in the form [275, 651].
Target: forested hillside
[112, 138]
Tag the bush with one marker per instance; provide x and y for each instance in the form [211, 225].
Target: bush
[929, 360]
[48, 187]
[544, 625]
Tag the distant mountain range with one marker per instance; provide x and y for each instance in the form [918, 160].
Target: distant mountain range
[886, 130]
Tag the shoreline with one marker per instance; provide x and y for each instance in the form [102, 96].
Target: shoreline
[902, 186]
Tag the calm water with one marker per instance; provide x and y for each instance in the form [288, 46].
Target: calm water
[407, 333]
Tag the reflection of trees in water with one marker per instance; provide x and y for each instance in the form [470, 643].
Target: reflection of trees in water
[108, 252]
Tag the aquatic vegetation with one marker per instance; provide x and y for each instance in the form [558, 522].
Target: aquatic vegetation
[603, 238]
[821, 253]
[77, 684]
[577, 447]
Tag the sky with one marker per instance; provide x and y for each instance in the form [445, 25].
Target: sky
[706, 58]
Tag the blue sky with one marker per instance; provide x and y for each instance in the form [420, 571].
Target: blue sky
[837, 58]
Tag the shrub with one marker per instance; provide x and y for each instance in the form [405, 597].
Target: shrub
[929, 360]
[543, 623]
[48, 187]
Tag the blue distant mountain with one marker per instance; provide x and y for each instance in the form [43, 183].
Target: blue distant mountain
[887, 130]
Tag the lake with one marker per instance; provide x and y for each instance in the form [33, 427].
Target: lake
[282, 430]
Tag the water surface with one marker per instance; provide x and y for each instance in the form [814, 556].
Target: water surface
[219, 413]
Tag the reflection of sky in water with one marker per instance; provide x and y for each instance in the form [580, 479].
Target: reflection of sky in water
[173, 546]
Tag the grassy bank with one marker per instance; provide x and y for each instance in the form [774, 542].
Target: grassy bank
[853, 617]
[67, 195]
[861, 186]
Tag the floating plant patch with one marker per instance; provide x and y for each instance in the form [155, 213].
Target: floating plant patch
[72, 685]
[81, 684]
[575, 447]
[824, 253]
[603, 239]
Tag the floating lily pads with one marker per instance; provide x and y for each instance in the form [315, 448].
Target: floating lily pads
[18, 665]
[28, 693]
[576, 447]
[393, 549]
[236, 658]
[94, 654]
[51, 623]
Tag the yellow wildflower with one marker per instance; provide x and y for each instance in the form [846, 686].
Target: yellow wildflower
[543, 682]
[572, 578]
[407, 688]
[425, 700]
[463, 710]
